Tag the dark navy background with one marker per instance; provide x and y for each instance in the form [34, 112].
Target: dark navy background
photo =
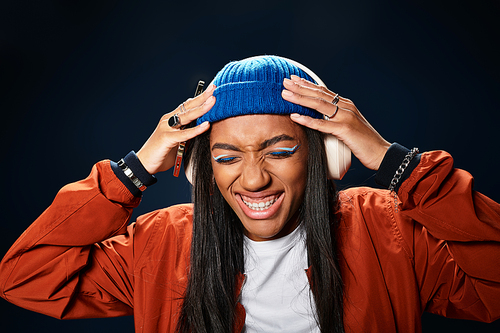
[82, 81]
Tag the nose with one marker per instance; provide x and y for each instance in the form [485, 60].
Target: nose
[254, 177]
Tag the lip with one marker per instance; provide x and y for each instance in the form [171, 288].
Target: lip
[260, 214]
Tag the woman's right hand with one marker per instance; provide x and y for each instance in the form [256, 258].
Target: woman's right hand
[159, 152]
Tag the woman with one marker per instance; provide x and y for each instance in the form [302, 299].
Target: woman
[269, 244]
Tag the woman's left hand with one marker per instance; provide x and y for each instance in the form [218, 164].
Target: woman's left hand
[346, 122]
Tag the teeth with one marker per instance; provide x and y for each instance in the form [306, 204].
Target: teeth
[260, 205]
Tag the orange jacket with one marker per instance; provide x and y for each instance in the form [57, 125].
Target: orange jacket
[440, 253]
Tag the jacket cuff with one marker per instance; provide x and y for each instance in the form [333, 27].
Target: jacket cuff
[390, 164]
[139, 171]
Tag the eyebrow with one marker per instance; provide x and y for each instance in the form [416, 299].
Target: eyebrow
[275, 140]
[225, 146]
[263, 145]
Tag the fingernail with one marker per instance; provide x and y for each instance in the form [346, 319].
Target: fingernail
[295, 77]
[209, 100]
[287, 93]
[295, 115]
[287, 81]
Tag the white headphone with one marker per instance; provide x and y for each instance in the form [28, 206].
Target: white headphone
[337, 153]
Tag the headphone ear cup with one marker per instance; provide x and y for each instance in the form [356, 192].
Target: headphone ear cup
[338, 157]
[338, 154]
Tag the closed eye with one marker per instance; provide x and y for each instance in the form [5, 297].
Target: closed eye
[224, 159]
[284, 152]
[281, 153]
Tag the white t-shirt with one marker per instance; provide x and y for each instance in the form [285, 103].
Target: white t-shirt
[276, 293]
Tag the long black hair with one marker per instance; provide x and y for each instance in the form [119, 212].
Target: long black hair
[217, 246]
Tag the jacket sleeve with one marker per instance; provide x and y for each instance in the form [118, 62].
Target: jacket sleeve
[53, 268]
[456, 240]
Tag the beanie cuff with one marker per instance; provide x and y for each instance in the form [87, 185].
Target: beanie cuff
[252, 97]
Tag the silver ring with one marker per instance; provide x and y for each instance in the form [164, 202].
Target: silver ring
[336, 99]
[183, 108]
[174, 121]
[333, 115]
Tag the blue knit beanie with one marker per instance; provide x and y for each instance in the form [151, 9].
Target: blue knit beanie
[254, 86]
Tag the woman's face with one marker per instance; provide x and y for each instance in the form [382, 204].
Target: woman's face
[260, 167]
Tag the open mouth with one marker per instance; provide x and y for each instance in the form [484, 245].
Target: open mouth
[260, 205]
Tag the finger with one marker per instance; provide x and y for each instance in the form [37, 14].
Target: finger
[198, 111]
[312, 102]
[190, 114]
[304, 82]
[189, 133]
[307, 88]
[321, 125]
[316, 124]
[178, 135]
[316, 92]
[198, 100]
[344, 121]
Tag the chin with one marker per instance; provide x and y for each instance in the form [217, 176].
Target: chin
[261, 230]
[261, 235]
